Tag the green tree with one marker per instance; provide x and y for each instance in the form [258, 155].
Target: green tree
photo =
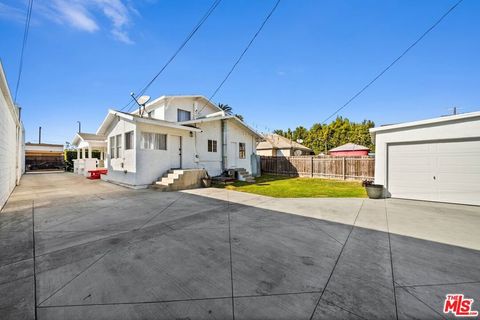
[322, 138]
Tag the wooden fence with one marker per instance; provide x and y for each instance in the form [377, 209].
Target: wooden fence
[345, 168]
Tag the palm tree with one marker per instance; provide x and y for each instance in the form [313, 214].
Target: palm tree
[239, 116]
[225, 107]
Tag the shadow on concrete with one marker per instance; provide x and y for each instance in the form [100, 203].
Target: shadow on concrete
[147, 255]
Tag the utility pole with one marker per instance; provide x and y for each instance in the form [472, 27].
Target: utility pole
[39, 135]
[79, 127]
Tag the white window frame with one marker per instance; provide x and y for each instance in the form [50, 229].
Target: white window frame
[153, 141]
[242, 154]
[212, 145]
[118, 145]
[129, 140]
[112, 147]
[180, 111]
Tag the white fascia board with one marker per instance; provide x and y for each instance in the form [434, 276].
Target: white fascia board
[463, 116]
[166, 124]
[106, 123]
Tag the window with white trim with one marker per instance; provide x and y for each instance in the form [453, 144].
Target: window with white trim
[129, 143]
[241, 150]
[118, 145]
[183, 115]
[212, 146]
[112, 147]
[153, 141]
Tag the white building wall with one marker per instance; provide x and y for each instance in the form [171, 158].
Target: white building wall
[284, 152]
[210, 161]
[122, 169]
[457, 129]
[236, 133]
[265, 152]
[152, 164]
[11, 142]
[167, 109]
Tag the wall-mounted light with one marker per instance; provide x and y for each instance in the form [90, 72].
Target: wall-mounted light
[191, 134]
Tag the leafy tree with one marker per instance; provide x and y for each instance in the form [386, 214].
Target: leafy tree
[322, 138]
[299, 133]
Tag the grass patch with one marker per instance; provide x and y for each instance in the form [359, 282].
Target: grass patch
[288, 187]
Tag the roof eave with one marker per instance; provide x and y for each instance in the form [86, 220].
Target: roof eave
[437, 120]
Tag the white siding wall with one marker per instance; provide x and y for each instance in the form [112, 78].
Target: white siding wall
[236, 133]
[167, 110]
[152, 164]
[211, 161]
[467, 128]
[11, 143]
[126, 161]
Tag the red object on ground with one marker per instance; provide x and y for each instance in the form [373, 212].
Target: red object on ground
[95, 174]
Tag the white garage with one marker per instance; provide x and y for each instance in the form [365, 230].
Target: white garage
[434, 160]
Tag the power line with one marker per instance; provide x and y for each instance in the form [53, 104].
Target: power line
[190, 35]
[24, 43]
[243, 53]
[394, 61]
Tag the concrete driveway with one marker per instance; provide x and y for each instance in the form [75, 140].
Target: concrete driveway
[80, 249]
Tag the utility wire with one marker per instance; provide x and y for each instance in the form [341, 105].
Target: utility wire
[190, 35]
[394, 61]
[241, 56]
[24, 43]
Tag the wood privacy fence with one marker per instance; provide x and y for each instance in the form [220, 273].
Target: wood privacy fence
[351, 168]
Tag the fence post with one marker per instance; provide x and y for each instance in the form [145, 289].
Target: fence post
[311, 166]
[344, 169]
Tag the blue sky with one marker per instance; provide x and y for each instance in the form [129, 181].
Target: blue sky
[85, 56]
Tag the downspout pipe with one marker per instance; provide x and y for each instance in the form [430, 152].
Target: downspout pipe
[224, 144]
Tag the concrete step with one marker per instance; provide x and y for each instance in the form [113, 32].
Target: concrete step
[159, 187]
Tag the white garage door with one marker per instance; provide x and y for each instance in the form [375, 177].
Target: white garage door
[437, 171]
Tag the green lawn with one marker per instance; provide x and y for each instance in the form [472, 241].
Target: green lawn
[288, 187]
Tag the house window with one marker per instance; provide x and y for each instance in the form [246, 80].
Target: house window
[241, 150]
[129, 140]
[118, 145]
[183, 115]
[112, 147]
[212, 145]
[154, 141]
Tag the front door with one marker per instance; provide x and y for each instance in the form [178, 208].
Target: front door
[232, 155]
[175, 152]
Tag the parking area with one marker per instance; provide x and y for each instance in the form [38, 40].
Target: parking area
[73, 248]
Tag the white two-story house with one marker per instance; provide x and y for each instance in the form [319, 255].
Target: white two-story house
[174, 132]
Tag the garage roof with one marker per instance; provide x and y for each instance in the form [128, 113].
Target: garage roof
[439, 120]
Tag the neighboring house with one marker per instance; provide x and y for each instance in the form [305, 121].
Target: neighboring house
[436, 159]
[86, 143]
[349, 150]
[174, 132]
[11, 142]
[277, 145]
[39, 156]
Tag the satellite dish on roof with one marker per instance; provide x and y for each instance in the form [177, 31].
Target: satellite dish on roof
[143, 100]
[300, 141]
